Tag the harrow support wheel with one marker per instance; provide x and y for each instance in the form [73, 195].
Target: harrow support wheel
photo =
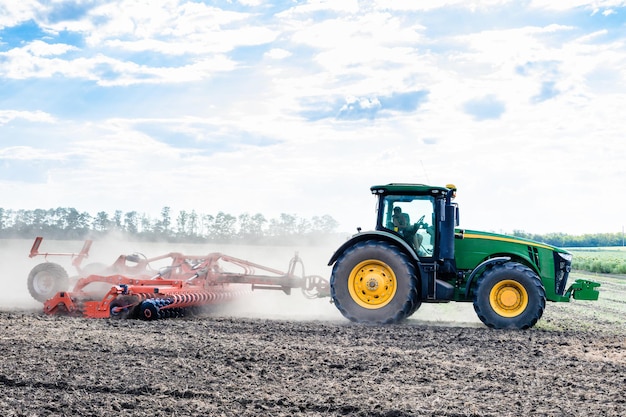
[122, 307]
[149, 311]
[374, 282]
[47, 279]
[509, 296]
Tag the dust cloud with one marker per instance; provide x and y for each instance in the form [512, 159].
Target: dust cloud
[16, 265]
[262, 304]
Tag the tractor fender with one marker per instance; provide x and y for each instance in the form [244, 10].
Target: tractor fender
[374, 235]
[481, 267]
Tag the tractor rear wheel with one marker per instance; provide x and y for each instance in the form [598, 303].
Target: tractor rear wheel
[47, 279]
[509, 296]
[374, 282]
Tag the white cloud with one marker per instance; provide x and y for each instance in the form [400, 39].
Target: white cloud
[277, 53]
[312, 6]
[427, 5]
[14, 12]
[563, 5]
[38, 116]
[25, 153]
[39, 48]
[31, 61]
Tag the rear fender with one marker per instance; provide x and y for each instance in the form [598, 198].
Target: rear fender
[374, 235]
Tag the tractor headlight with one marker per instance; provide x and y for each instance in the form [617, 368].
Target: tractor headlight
[566, 256]
[562, 268]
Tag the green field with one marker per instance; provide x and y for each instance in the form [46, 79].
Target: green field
[600, 260]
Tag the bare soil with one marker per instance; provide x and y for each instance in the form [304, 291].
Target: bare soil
[244, 367]
[253, 364]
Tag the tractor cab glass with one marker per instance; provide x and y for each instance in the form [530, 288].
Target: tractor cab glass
[413, 218]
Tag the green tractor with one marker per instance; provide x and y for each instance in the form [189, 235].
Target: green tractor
[418, 255]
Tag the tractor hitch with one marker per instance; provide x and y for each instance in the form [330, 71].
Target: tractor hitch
[583, 289]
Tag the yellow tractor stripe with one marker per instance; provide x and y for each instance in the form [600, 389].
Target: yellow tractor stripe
[504, 239]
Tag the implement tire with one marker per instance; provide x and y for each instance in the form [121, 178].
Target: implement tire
[509, 296]
[47, 279]
[374, 282]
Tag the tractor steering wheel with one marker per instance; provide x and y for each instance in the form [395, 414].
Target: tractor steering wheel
[420, 222]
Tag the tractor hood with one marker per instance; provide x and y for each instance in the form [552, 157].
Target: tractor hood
[500, 238]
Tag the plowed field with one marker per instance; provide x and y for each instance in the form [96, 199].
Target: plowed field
[276, 355]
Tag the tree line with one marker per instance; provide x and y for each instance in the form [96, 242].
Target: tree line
[182, 226]
[191, 226]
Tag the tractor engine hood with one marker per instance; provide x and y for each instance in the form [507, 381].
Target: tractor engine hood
[496, 237]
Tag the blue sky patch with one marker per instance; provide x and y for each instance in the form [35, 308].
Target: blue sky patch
[68, 10]
[17, 36]
[207, 141]
[33, 170]
[548, 91]
[358, 108]
[484, 108]
[404, 102]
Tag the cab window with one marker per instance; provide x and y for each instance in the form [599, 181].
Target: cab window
[412, 217]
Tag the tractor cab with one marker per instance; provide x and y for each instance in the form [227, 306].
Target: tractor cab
[414, 212]
[413, 218]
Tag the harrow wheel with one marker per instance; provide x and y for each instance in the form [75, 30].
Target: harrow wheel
[149, 311]
[122, 307]
[47, 279]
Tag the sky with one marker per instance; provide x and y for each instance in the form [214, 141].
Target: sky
[299, 107]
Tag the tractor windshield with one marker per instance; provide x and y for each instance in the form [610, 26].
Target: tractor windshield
[412, 217]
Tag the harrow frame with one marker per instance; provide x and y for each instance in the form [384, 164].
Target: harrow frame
[189, 281]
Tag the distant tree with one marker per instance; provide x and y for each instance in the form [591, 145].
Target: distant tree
[192, 224]
[101, 221]
[223, 228]
[325, 224]
[3, 219]
[181, 223]
[285, 225]
[166, 221]
[251, 227]
[146, 223]
[131, 222]
[117, 220]
[303, 226]
[207, 225]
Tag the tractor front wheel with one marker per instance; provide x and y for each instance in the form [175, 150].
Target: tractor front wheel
[509, 296]
[47, 279]
[374, 282]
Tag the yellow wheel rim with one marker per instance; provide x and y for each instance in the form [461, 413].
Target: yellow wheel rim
[508, 298]
[372, 284]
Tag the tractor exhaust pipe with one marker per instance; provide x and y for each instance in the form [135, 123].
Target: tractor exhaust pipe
[448, 222]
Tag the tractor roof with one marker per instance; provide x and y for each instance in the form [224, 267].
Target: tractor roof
[398, 188]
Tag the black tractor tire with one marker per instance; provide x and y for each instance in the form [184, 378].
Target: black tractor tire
[509, 296]
[374, 282]
[47, 279]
